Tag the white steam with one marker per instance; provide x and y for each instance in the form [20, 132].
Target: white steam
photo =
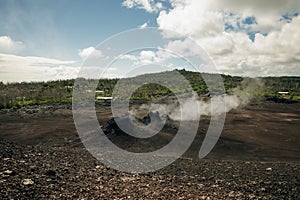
[196, 106]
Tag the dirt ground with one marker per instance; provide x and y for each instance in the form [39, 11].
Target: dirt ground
[33, 172]
[262, 130]
[257, 157]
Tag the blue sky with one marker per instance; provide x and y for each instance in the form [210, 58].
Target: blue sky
[59, 28]
[45, 40]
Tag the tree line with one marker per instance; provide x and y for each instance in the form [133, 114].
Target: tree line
[15, 95]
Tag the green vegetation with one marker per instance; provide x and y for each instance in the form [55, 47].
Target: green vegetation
[15, 95]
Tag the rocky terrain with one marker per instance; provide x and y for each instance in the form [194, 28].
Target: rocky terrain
[30, 172]
[257, 157]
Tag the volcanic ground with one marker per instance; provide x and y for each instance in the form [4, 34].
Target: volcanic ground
[257, 157]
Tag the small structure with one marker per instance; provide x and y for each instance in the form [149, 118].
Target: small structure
[283, 93]
[99, 92]
[105, 99]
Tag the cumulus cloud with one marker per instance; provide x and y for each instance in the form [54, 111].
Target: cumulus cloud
[145, 57]
[274, 54]
[90, 52]
[7, 44]
[129, 57]
[148, 5]
[255, 38]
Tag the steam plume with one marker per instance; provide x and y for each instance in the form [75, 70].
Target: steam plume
[240, 96]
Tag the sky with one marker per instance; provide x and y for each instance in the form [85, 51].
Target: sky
[46, 40]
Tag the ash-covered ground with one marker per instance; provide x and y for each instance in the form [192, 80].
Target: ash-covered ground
[257, 157]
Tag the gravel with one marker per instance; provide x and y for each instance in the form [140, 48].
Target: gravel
[35, 172]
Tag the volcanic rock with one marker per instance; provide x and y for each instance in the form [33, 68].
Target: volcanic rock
[27, 182]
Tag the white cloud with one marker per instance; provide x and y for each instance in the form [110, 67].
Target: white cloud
[148, 57]
[192, 20]
[184, 48]
[90, 52]
[144, 57]
[148, 5]
[129, 57]
[9, 45]
[276, 52]
[15, 68]
[144, 25]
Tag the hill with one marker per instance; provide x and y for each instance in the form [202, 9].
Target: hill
[14, 95]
